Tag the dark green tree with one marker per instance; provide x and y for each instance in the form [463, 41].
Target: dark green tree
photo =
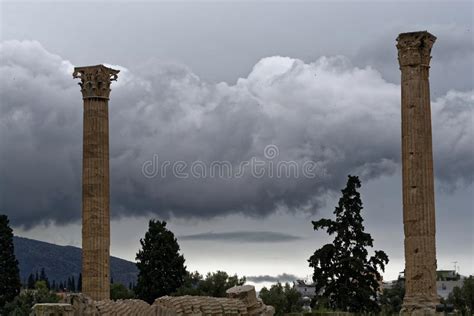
[191, 285]
[284, 298]
[468, 293]
[31, 281]
[391, 300]
[456, 298]
[44, 277]
[79, 283]
[161, 268]
[347, 278]
[119, 291]
[10, 283]
[463, 297]
[214, 284]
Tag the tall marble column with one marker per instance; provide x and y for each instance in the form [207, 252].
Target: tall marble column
[95, 88]
[418, 183]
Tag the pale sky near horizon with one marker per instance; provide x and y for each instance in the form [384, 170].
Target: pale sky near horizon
[220, 81]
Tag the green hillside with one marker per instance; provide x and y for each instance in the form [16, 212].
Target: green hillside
[62, 262]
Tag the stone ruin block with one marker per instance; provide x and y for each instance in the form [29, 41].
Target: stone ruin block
[241, 301]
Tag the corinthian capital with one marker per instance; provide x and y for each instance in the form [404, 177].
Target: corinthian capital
[95, 80]
[414, 48]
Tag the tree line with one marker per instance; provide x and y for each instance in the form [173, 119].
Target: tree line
[345, 276]
[69, 285]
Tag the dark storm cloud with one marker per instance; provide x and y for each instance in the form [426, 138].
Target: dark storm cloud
[344, 118]
[242, 236]
[451, 66]
[282, 278]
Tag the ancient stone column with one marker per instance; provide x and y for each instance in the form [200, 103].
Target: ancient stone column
[95, 88]
[418, 183]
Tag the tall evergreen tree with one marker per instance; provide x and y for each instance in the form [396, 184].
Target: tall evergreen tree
[31, 281]
[79, 283]
[10, 283]
[348, 279]
[69, 284]
[44, 277]
[161, 268]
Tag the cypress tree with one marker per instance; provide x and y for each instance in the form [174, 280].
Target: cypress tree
[10, 283]
[161, 268]
[44, 277]
[79, 283]
[31, 281]
[348, 279]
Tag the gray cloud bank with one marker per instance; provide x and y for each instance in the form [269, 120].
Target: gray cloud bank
[345, 118]
[242, 236]
[282, 278]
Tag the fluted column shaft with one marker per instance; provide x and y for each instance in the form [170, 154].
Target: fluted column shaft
[95, 199]
[95, 84]
[418, 180]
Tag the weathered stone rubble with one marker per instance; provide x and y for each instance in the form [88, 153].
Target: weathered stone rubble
[241, 300]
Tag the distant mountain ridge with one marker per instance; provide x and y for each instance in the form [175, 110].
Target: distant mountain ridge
[62, 262]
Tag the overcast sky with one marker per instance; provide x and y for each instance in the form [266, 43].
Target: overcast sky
[224, 81]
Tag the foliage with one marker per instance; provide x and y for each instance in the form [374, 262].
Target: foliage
[9, 273]
[391, 300]
[23, 303]
[285, 299]
[161, 267]
[44, 277]
[31, 282]
[79, 283]
[119, 291]
[215, 284]
[463, 298]
[342, 271]
[468, 292]
[71, 284]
